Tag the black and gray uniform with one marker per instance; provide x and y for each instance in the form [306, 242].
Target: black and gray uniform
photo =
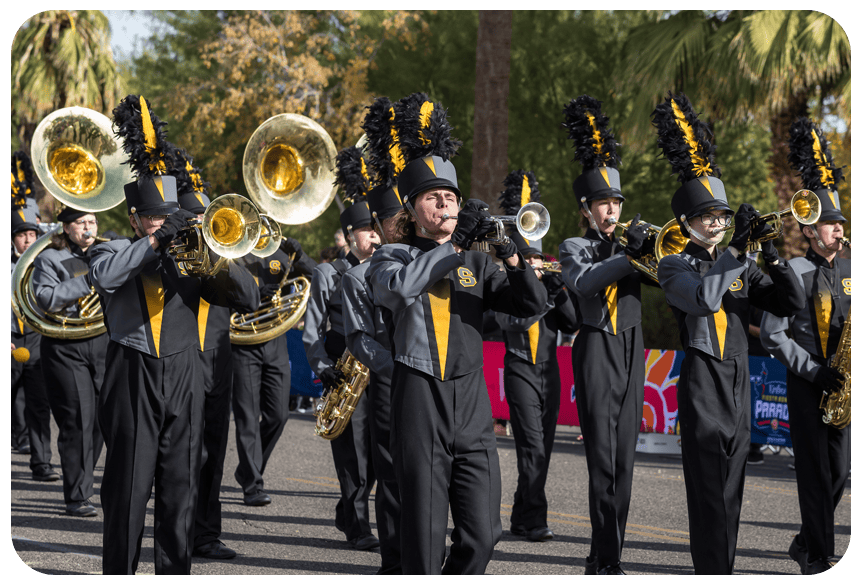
[710, 300]
[805, 342]
[73, 368]
[261, 379]
[531, 380]
[27, 378]
[324, 344]
[443, 444]
[608, 367]
[151, 403]
[367, 338]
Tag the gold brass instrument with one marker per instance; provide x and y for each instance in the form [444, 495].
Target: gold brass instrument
[289, 171]
[338, 403]
[532, 222]
[836, 406]
[845, 242]
[552, 267]
[805, 208]
[79, 160]
[230, 228]
[289, 168]
[666, 240]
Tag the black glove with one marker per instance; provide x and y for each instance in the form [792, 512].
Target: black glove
[828, 379]
[473, 223]
[330, 377]
[742, 231]
[289, 245]
[176, 221]
[506, 250]
[268, 290]
[636, 236]
[553, 284]
[770, 254]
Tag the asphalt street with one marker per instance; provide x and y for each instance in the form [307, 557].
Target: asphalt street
[296, 534]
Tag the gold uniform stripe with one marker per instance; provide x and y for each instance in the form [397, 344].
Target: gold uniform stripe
[823, 313]
[611, 294]
[721, 329]
[533, 333]
[154, 294]
[203, 313]
[20, 324]
[439, 299]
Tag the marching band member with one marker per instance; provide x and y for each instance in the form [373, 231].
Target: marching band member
[73, 368]
[261, 376]
[217, 378]
[444, 449]
[607, 356]
[151, 403]
[805, 343]
[709, 293]
[26, 362]
[325, 342]
[531, 373]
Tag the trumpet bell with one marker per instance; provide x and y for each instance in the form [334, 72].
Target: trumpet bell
[231, 226]
[669, 240]
[79, 160]
[533, 221]
[805, 207]
[288, 168]
[270, 237]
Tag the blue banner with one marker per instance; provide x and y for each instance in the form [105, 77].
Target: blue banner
[770, 422]
[302, 380]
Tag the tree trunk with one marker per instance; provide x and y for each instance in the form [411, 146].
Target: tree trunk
[491, 121]
[785, 177]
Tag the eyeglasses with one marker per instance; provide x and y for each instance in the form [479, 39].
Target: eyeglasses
[85, 222]
[155, 218]
[722, 220]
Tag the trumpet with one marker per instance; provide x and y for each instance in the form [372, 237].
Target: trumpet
[805, 208]
[665, 240]
[532, 222]
[552, 267]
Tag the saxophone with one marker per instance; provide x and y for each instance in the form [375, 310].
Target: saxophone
[338, 403]
[836, 406]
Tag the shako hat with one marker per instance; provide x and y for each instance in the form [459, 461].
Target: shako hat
[595, 148]
[810, 155]
[520, 188]
[351, 175]
[154, 191]
[69, 214]
[192, 189]
[24, 218]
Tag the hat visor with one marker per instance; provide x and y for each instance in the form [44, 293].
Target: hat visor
[25, 227]
[831, 215]
[165, 208]
[431, 184]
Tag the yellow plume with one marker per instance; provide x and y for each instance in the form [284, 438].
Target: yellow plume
[150, 137]
[395, 150]
[822, 165]
[699, 165]
[526, 191]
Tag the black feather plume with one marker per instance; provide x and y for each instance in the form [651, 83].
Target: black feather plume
[143, 135]
[383, 150]
[351, 174]
[423, 128]
[189, 179]
[590, 133]
[520, 188]
[810, 155]
[684, 139]
[22, 178]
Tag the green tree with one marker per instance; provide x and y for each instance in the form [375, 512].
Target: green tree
[60, 58]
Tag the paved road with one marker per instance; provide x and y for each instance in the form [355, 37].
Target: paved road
[296, 534]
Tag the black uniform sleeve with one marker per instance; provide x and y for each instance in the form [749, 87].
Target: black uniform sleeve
[233, 287]
[302, 266]
[565, 313]
[779, 293]
[516, 291]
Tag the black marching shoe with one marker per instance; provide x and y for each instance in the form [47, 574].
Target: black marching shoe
[615, 570]
[81, 509]
[258, 499]
[365, 543]
[214, 550]
[798, 553]
[517, 530]
[818, 566]
[540, 534]
[592, 566]
[46, 474]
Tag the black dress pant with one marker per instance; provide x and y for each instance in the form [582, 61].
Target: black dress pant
[715, 428]
[609, 391]
[17, 421]
[37, 410]
[151, 413]
[445, 456]
[533, 395]
[822, 460]
[217, 376]
[261, 397]
[387, 500]
[73, 371]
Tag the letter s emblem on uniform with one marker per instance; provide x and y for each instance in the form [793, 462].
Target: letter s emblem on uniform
[274, 267]
[182, 269]
[466, 277]
[846, 283]
[737, 285]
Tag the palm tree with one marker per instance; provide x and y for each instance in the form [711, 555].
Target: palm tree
[768, 67]
[61, 58]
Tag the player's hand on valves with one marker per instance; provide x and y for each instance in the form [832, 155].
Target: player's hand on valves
[473, 222]
[637, 235]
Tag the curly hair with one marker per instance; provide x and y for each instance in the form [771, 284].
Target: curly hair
[405, 229]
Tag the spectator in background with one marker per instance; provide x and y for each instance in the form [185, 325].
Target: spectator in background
[327, 254]
[341, 244]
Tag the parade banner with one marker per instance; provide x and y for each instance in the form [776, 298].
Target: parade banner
[770, 422]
